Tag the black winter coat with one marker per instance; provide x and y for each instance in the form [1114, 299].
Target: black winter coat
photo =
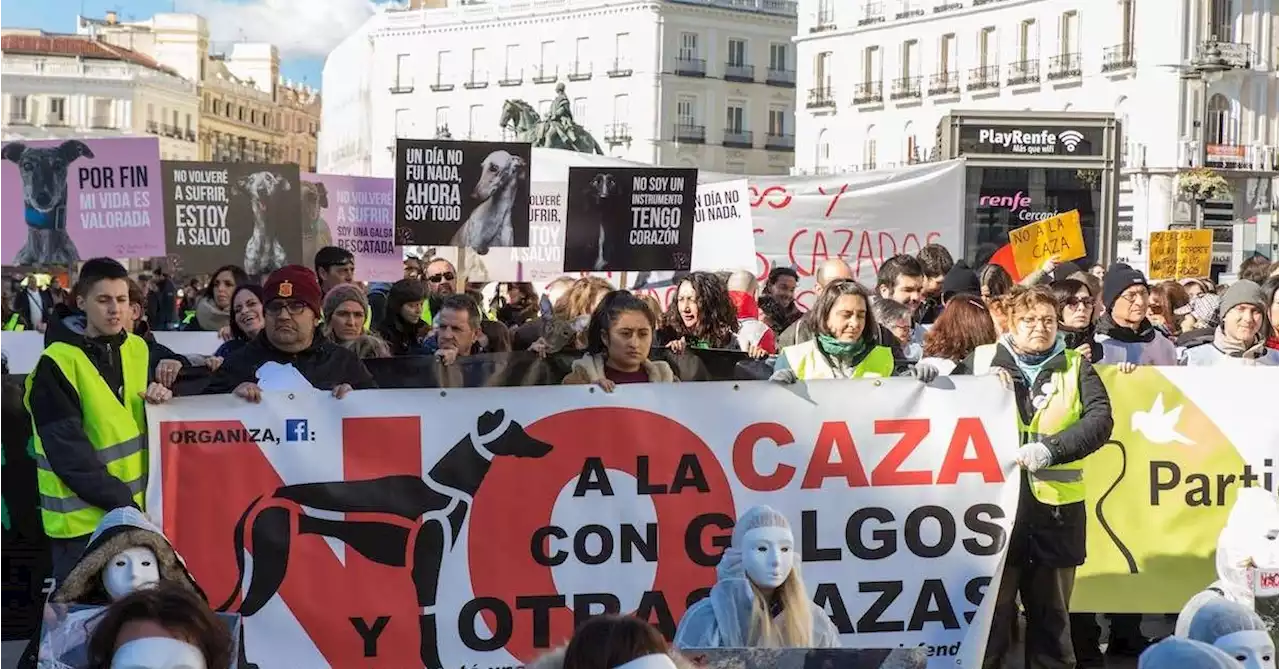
[325, 365]
[1054, 536]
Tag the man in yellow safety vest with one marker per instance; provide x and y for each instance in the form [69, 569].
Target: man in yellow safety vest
[86, 397]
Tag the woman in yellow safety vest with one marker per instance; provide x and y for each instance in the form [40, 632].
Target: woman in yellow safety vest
[846, 345]
[1064, 414]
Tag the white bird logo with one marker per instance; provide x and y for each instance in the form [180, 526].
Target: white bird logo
[1159, 426]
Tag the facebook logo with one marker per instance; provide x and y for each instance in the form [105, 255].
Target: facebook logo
[295, 429]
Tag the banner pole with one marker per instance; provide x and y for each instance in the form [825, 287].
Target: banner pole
[624, 285]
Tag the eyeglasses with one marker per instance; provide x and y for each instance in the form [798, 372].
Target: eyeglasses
[1073, 302]
[1044, 323]
[1136, 296]
[445, 276]
[294, 307]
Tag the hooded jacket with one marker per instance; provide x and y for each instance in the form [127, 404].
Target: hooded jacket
[59, 421]
[208, 318]
[324, 364]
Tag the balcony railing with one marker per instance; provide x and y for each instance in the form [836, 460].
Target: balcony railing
[476, 80]
[868, 92]
[738, 138]
[780, 77]
[400, 87]
[694, 134]
[984, 78]
[153, 127]
[739, 72]
[944, 83]
[826, 20]
[908, 12]
[905, 88]
[1253, 157]
[1118, 57]
[620, 68]
[1024, 72]
[691, 67]
[1215, 55]
[820, 98]
[546, 75]
[580, 72]
[781, 142]
[511, 78]
[191, 135]
[872, 14]
[617, 133]
[441, 86]
[1064, 66]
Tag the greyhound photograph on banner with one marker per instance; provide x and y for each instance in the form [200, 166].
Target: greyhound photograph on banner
[629, 219]
[472, 195]
[232, 214]
[69, 200]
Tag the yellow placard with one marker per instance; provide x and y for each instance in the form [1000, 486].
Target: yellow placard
[1057, 237]
[1179, 254]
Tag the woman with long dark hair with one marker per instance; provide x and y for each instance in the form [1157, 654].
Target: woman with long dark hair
[212, 312]
[1075, 317]
[402, 327]
[246, 318]
[619, 339]
[847, 341]
[701, 316]
[521, 305]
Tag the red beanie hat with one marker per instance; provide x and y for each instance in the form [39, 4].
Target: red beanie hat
[293, 282]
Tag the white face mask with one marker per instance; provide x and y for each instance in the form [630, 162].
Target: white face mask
[129, 570]
[767, 555]
[157, 652]
[1253, 649]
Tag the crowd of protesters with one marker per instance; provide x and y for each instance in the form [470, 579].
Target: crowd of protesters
[926, 315]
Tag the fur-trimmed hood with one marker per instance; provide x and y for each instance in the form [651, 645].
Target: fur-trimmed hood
[119, 530]
[590, 369]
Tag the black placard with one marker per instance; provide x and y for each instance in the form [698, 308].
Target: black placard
[629, 219]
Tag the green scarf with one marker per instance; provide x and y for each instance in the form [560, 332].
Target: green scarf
[834, 348]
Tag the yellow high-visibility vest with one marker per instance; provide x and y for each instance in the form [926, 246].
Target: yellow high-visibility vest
[808, 362]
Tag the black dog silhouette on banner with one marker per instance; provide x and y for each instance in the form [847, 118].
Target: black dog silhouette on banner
[440, 499]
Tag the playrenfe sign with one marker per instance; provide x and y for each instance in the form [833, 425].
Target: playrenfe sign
[1031, 141]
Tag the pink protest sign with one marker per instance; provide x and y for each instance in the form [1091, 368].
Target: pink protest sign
[357, 214]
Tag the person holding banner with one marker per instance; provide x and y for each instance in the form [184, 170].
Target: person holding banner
[86, 399]
[1239, 338]
[619, 339]
[1064, 415]
[702, 316]
[846, 345]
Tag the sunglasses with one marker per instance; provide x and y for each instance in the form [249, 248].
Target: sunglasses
[437, 278]
[293, 306]
[1072, 302]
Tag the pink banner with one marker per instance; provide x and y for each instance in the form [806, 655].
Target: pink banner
[63, 201]
[357, 214]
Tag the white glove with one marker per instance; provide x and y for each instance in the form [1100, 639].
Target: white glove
[787, 376]
[1034, 456]
[924, 372]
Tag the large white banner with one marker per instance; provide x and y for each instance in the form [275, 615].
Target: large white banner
[22, 349]
[476, 527]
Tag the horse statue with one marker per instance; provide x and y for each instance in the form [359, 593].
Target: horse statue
[523, 121]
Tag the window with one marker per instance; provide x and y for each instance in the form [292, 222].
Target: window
[18, 108]
[822, 71]
[826, 12]
[444, 66]
[403, 78]
[581, 55]
[685, 110]
[544, 106]
[621, 42]
[546, 57]
[777, 57]
[869, 149]
[1222, 126]
[57, 110]
[404, 123]
[475, 118]
[988, 50]
[442, 118]
[1026, 40]
[510, 61]
[870, 64]
[477, 65]
[151, 113]
[1126, 24]
[621, 108]
[102, 113]
[580, 111]
[688, 46]
[737, 52]
[1221, 26]
[946, 53]
[777, 121]
[910, 58]
[1069, 33]
[735, 117]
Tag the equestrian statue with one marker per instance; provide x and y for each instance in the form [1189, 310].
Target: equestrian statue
[557, 131]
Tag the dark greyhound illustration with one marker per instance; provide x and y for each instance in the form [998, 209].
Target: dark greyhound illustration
[44, 200]
[440, 499]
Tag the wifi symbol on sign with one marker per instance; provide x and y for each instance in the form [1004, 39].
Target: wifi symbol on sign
[1070, 139]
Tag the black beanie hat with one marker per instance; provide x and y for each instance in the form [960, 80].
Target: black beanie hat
[1117, 280]
[1065, 270]
[960, 279]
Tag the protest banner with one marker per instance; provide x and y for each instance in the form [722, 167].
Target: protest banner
[354, 213]
[477, 526]
[472, 195]
[1058, 237]
[723, 238]
[1179, 254]
[629, 219]
[232, 214]
[79, 199]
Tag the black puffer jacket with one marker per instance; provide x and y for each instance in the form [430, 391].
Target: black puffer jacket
[1054, 536]
[324, 364]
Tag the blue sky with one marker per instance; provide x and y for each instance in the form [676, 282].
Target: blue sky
[303, 34]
